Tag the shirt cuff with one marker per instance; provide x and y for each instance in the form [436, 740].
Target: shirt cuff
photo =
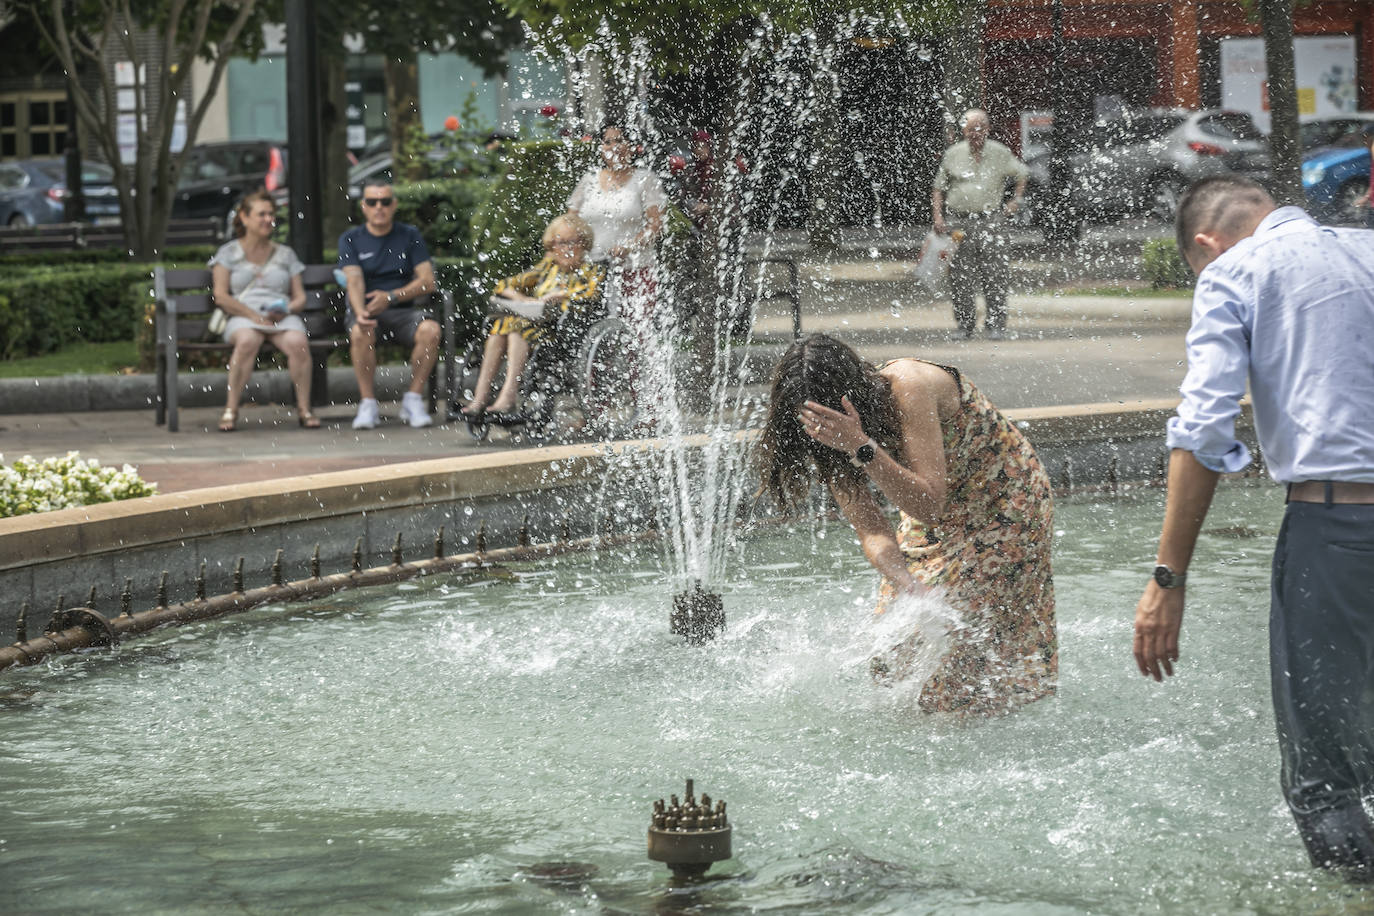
[1223, 456]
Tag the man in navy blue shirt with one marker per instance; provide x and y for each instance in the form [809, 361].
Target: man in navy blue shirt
[387, 267]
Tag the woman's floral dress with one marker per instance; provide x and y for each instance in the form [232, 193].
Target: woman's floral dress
[990, 555]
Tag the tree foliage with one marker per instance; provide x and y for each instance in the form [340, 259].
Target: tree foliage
[89, 36]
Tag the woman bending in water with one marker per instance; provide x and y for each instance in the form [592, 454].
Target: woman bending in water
[976, 507]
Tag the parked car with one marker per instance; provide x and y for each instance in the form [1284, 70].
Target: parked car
[215, 175]
[34, 191]
[1143, 162]
[1325, 131]
[1334, 176]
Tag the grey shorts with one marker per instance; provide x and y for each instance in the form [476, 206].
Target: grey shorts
[395, 324]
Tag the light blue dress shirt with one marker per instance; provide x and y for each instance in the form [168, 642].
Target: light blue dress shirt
[1291, 308]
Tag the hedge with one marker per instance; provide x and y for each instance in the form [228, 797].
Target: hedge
[181, 254]
[47, 308]
[1164, 267]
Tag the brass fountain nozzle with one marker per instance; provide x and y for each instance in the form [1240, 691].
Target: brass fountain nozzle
[689, 835]
[697, 614]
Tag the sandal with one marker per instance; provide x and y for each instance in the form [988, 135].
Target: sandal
[307, 420]
[229, 420]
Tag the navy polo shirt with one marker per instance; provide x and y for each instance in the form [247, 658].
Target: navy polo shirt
[388, 261]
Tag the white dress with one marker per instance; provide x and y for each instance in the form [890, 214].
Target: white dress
[618, 215]
[259, 285]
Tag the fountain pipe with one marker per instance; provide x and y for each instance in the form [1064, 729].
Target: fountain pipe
[93, 629]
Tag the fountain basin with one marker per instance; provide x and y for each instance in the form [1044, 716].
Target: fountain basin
[426, 747]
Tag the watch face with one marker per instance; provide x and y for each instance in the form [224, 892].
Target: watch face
[1167, 578]
[864, 453]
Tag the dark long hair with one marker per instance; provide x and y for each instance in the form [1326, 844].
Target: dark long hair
[822, 369]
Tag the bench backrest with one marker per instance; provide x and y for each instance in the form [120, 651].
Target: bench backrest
[188, 296]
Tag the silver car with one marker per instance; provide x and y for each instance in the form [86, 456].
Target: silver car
[1142, 162]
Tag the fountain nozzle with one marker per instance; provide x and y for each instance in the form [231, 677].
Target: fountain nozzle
[697, 614]
[688, 835]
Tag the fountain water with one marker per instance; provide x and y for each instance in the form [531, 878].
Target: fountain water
[505, 763]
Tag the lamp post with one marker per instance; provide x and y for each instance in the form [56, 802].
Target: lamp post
[1061, 223]
[303, 131]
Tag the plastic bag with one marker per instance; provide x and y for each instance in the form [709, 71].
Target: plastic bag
[932, 266]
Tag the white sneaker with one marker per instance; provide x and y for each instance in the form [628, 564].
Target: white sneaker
[367, 414]
[413, 410]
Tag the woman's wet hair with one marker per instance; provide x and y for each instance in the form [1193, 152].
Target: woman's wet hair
[822, 369]
[246, 206]
[626, 133]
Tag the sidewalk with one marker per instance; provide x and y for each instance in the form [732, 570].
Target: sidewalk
[1066, 350]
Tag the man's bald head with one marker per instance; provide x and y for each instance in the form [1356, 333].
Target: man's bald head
[1227, 207]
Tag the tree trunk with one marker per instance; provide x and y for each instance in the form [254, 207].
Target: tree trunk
[962, 66]
[403, 112]
[335, 207]
[1276, 21]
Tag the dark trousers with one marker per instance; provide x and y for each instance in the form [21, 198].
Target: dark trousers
[980, 260]
[1321, 661]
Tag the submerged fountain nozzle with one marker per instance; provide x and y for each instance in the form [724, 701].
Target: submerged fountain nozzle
[688, 835]
[697, 614]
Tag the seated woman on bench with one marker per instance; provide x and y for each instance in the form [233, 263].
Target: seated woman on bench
[528, 308]
[257, 282]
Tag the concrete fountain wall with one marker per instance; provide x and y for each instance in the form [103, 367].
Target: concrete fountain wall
[554, 492]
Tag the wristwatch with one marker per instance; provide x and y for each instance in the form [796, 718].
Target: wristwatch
[864, 454]
[1167, 578]
[389, 298]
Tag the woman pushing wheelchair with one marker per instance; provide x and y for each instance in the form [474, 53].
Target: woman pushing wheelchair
[529, 308]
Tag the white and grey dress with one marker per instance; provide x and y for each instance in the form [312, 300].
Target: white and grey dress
[259, 285]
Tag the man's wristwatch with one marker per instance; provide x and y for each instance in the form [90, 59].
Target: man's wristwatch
[1167, 578]
[389, 297]
[864, 454]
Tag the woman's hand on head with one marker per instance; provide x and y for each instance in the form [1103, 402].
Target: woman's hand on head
[843, 432]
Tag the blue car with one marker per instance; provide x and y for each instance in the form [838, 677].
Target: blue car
[33, 191]
[1334, 177]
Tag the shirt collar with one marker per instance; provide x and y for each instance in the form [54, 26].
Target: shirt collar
[1282, 215]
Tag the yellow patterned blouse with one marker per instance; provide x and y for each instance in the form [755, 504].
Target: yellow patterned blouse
[583, 284]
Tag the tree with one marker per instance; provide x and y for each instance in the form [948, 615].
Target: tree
[159, 41]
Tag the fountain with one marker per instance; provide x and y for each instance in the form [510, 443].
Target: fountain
[689, 837]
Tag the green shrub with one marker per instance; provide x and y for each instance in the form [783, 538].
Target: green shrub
[531, 191]
[1165, 267]
[183, 255]
[442, 210]
[48, 307]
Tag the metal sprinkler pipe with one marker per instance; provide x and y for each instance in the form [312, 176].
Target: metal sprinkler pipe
[87, 628]
[688, 836]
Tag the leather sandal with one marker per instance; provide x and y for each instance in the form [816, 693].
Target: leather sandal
[229, 420]
[307, 420]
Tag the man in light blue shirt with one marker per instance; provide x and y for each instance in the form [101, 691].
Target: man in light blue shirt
[1288, 305]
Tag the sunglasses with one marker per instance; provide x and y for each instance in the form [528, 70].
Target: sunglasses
[566, 243]
[378, 201]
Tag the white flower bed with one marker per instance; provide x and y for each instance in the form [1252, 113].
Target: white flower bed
[29, 485]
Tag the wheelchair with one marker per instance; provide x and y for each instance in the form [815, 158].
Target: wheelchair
[578, 381]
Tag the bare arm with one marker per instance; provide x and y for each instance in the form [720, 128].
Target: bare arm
[420, 284]
[876, 537]
[937, 210]
[917, 485]
[1159, 613]
[356, 292]
[297, 301]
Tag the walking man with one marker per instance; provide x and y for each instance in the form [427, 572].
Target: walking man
[971, 182]
[1288, 304]
[388, 269]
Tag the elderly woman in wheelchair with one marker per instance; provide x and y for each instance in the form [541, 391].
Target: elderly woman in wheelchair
[528, 310]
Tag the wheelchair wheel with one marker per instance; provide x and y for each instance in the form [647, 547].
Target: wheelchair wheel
[606, 374]
[468, 368]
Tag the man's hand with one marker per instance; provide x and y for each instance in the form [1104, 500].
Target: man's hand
[1012, 206]
[939, 226]
[1158, 619]
[376, 302]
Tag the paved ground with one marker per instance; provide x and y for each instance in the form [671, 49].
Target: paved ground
[1067, 350]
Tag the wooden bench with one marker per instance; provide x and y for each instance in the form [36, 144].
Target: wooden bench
[184, 301]
[206, 231]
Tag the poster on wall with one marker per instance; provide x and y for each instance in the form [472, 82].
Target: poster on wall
[1325, 67]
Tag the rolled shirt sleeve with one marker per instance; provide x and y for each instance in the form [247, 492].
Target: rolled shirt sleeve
[1218, 366]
